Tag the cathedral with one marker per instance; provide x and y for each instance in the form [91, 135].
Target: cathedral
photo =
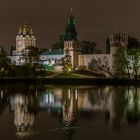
[53, 58]
[24, 39]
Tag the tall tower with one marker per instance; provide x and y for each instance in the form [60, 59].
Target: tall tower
[117, 41]
[70, 39]
[25, 38]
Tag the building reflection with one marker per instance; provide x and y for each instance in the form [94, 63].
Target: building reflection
[23, 107]
[51, 100]
[120, 106]
[3, 99]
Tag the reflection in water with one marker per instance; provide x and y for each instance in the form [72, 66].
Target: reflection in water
[23, 117]
[120, 106]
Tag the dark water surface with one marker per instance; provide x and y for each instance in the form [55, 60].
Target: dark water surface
[34, 112]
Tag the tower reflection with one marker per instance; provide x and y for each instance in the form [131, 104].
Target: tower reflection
[21, 105]
[120, 106]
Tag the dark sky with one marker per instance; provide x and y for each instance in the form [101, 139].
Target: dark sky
[96, 19]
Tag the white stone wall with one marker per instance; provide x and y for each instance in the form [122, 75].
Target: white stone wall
[85, 59]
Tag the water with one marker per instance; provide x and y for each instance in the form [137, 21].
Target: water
[35, 112]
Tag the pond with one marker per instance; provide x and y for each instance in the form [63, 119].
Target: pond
[38, 112]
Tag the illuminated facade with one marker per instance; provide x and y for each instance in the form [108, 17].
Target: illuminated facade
[25, 38]
[54, 58]
[78, 60]
[116, 41]
[70, 40]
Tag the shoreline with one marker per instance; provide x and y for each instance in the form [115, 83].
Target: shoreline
[71, 81]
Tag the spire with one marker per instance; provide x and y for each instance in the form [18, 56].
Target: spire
[71, 11]
[71, 15]
[70, 30]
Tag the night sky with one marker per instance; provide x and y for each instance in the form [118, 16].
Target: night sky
[96, 19]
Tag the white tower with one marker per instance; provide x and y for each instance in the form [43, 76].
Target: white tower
[72, 48]
[24, 39]
[117, 41]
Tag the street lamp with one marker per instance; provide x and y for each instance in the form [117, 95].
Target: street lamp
[2, 69]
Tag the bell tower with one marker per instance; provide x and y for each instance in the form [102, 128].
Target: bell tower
[70, 39]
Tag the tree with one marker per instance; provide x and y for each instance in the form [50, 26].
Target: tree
[67, 63]
[88, 47]
[42, 50]
[59, 44]
[133, 43]
[31, 57]
[12, 49]
[31, 54]
[134, 57]
[97, 66]
[121, 61]
[4, 63]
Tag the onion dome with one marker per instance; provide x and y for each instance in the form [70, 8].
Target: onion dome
[25, 31]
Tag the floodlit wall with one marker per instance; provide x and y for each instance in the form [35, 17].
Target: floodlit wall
[85, 59]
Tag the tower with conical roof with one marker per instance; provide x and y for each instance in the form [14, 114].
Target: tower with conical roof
[25, 38]
[70, 39]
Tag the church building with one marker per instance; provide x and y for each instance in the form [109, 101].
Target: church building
[24, 39]
[53, 58]
[78, 59]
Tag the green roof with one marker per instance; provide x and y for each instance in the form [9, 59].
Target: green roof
[70, 31]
